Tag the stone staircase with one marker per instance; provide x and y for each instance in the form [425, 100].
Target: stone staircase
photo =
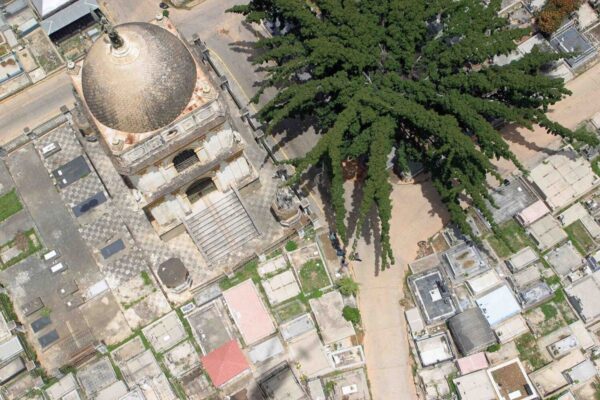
[221, 228]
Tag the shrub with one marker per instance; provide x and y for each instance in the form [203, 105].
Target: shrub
[347, 286]
[493, 348]
[291, 245]
[351, 314]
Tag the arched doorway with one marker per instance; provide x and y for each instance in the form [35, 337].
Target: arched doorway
[199, 188]
[185, 159]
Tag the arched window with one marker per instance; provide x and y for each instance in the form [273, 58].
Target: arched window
[199, 189]
[185, 159]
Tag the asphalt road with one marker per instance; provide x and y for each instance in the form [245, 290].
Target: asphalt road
[34, 105]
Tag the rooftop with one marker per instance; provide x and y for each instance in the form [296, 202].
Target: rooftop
[535, 294]
[465, 260]
[522, 259]
[511, 328]
[296, 327]
[328, 313]
[310, 354]
[498, 305]
[415, 322]
[510, 381]
[570, 40]
[562, 178]
[510, 199]
[484, 282]
[172, 273]
[584, 295]
[475, 386]
[433, 295]
[283, 385]
[165, 332]
[532, 213]
[551, 378]
[471, 331]
[249, 312]
[564, 259]
[265, 350]
[434, 350]
[547, 232]
[225, 363]
[472, 363]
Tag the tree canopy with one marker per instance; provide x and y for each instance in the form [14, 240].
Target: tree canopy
[409, 76]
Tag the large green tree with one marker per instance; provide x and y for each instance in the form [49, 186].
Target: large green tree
[414, 76]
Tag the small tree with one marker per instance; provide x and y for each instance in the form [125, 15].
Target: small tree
[347, 286]
[351, 314]
[291, 245]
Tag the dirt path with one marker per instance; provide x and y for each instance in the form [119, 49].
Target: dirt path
[416, 217]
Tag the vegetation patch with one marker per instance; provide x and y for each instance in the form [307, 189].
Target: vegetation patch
[347, 286]
[377, 88]
[509, 238]
[248, 271]
[9, 205]
[493, 348]
[313, 276]
[351, 314]
[22, 246]
[580, 237]
[289, 310]
[529, 352]
[291, 245]
[549, 311]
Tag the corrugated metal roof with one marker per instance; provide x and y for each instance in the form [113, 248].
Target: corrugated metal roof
[67, 16]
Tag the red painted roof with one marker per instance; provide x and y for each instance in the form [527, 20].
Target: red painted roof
[225, 363]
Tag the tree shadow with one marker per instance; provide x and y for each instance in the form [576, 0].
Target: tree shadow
[512, 134]
[290, 129]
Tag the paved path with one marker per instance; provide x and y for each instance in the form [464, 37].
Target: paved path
[34, 105]
[417, 215]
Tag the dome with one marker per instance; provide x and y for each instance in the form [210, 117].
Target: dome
[142, 85]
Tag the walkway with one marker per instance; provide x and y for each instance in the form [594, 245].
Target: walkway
[416, 216]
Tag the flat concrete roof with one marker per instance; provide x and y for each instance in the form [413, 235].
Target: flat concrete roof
[415, 322]
[64, 385]
[283, 385]
[527, 276]
[584, 295]
[296, 327]
[310, 354]
[547, 232]
[10, 348]
[265, 350]
[475, 386]
[465, 260]
[472, 363]
[498, 305]
[327, 310]
[433, 295]
[249, 312]
[523, 258]
[551, 378]
[484, 282]
[564, 259]
[511, 328]
[165, 332]
[281, 287]
[562, 178]
[510, 199]
[434, 350]
[532, 213]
